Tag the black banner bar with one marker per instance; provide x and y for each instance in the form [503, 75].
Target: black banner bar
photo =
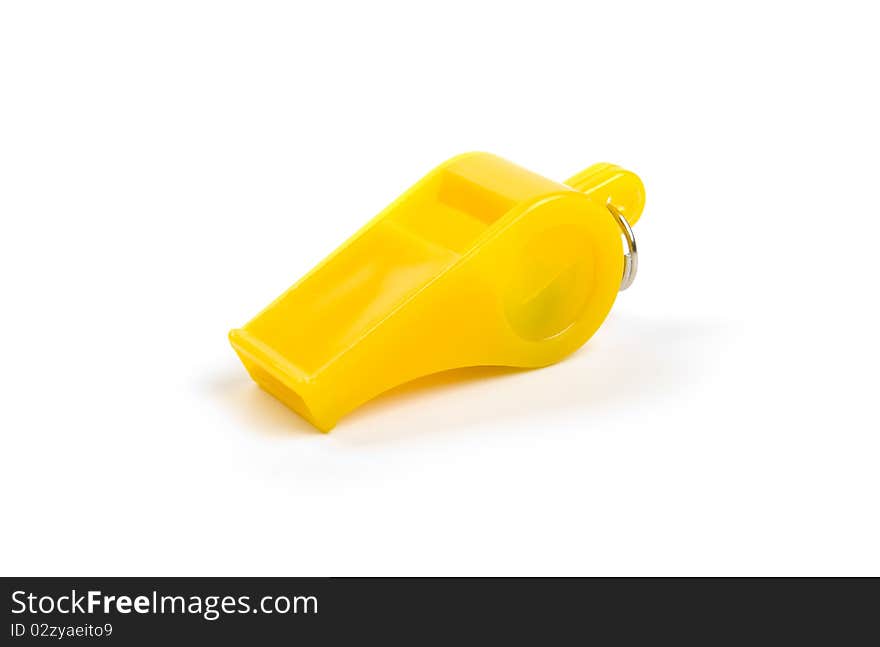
[134, 611]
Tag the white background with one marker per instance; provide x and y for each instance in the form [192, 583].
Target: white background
[168, 168]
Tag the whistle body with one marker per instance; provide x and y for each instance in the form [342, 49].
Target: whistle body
[480, 263]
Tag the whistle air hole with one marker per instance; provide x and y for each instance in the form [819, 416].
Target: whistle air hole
[278, 389]
[552, 283]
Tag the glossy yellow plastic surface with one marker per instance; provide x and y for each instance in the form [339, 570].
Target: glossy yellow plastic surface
[480, 263]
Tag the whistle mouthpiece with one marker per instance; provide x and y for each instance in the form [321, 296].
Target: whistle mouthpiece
[480, 263]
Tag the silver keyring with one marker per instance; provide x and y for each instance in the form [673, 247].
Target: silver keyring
[631, 256]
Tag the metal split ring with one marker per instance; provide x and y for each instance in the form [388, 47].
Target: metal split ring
[631, 256]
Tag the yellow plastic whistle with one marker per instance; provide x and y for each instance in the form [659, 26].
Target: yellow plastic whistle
[481, 263]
